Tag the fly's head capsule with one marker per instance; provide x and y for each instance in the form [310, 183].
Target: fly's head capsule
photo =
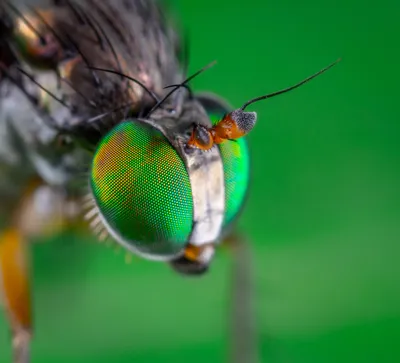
[161, 200]
[160, 195]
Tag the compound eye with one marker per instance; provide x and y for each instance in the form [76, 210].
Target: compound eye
[142, 191]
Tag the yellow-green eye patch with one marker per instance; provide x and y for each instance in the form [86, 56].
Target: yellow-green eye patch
[142, 190]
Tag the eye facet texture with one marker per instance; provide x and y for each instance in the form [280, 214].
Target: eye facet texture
[142, 190]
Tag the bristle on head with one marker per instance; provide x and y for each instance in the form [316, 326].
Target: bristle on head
[92, 216]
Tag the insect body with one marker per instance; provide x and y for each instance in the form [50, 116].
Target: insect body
[86, 88]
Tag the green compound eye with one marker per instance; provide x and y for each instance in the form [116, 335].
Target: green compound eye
[142, 190]
[236, 163]
[235, 156]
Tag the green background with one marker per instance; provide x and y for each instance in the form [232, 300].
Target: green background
[323, 214]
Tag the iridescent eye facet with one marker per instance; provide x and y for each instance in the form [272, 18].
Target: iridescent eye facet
[142, 190]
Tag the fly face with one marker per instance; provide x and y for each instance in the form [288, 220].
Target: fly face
[168, 187]
[161, 198]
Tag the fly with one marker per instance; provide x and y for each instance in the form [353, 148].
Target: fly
[100, 89]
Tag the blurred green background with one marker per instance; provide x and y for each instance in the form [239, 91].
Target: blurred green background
[323, 214]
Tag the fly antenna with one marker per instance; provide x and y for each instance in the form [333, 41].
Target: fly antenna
[187, 80]
[270, 95]
[183, 86]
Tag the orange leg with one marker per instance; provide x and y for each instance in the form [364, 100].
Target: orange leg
[40, 212]
[16, 290]
[15, 278]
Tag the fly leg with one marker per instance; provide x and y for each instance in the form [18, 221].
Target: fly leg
[15, 281]
[41, 212]
[243, 336]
